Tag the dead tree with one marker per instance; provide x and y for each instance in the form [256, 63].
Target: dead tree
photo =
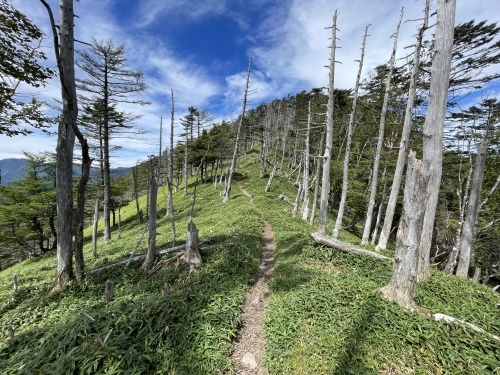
[434, 124]
[151, 254]
[380, 141]
[402, 286]
[469, 225]
[325, 181]
[170, 178]
[305, 182]
[345, 177]
[316, 184]
[64, 51]
[227, 188]
[405, 135]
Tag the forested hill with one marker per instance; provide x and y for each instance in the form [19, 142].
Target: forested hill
[11, 170]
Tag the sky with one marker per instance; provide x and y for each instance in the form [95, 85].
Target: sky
[201, 49]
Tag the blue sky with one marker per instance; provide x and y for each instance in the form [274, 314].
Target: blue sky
[200, 48]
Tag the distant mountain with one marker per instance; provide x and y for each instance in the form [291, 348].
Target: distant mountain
[13, 169]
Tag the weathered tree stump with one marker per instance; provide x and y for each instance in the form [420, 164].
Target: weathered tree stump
[109, 290]
[192, 255]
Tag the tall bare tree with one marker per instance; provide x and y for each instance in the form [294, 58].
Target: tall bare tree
[325, 180]
[227, 188]
[434, 124]
[380, 141]
[405, 134]
[345, 177]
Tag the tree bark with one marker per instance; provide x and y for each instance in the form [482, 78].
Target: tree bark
[345, 177]
[325, 180]
[405, 135]
[434, 124]
[402, 286]
[380, 142]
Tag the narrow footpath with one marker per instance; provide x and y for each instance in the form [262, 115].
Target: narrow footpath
[248, 347]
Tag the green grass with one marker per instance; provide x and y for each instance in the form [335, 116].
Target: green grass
[325, 315]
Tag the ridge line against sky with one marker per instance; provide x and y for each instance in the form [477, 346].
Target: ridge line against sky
[200, 48]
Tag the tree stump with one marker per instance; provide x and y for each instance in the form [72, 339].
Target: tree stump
[109, 290]
[192, 255]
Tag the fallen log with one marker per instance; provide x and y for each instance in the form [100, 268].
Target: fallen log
[332, 242]
[283, 197]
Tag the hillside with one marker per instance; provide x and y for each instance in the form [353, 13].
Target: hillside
[324, 316]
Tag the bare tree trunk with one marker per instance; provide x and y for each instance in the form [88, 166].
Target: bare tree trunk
[477, 275]
[434, 124]
[469, 226]
[316, 184]
[150, 257]
[403, 283]
[186, 171]
[227, 189]
[296, 203]
[463, 196]
[271, 177]
[65, 138]
[94, 227]
[305, 182]
[140, 218]
[405, 135]
[80, 207]
[380, 207]
[380, 142]
[325, 181]
[345, 177]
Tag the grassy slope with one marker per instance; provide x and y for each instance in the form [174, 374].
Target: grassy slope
[325, 316]
[190, 331]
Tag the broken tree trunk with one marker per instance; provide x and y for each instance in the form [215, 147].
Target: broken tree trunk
[271, 177]
[402, 286]
[192, 255]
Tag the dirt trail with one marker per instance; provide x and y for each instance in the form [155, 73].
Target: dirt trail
[248, 348]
